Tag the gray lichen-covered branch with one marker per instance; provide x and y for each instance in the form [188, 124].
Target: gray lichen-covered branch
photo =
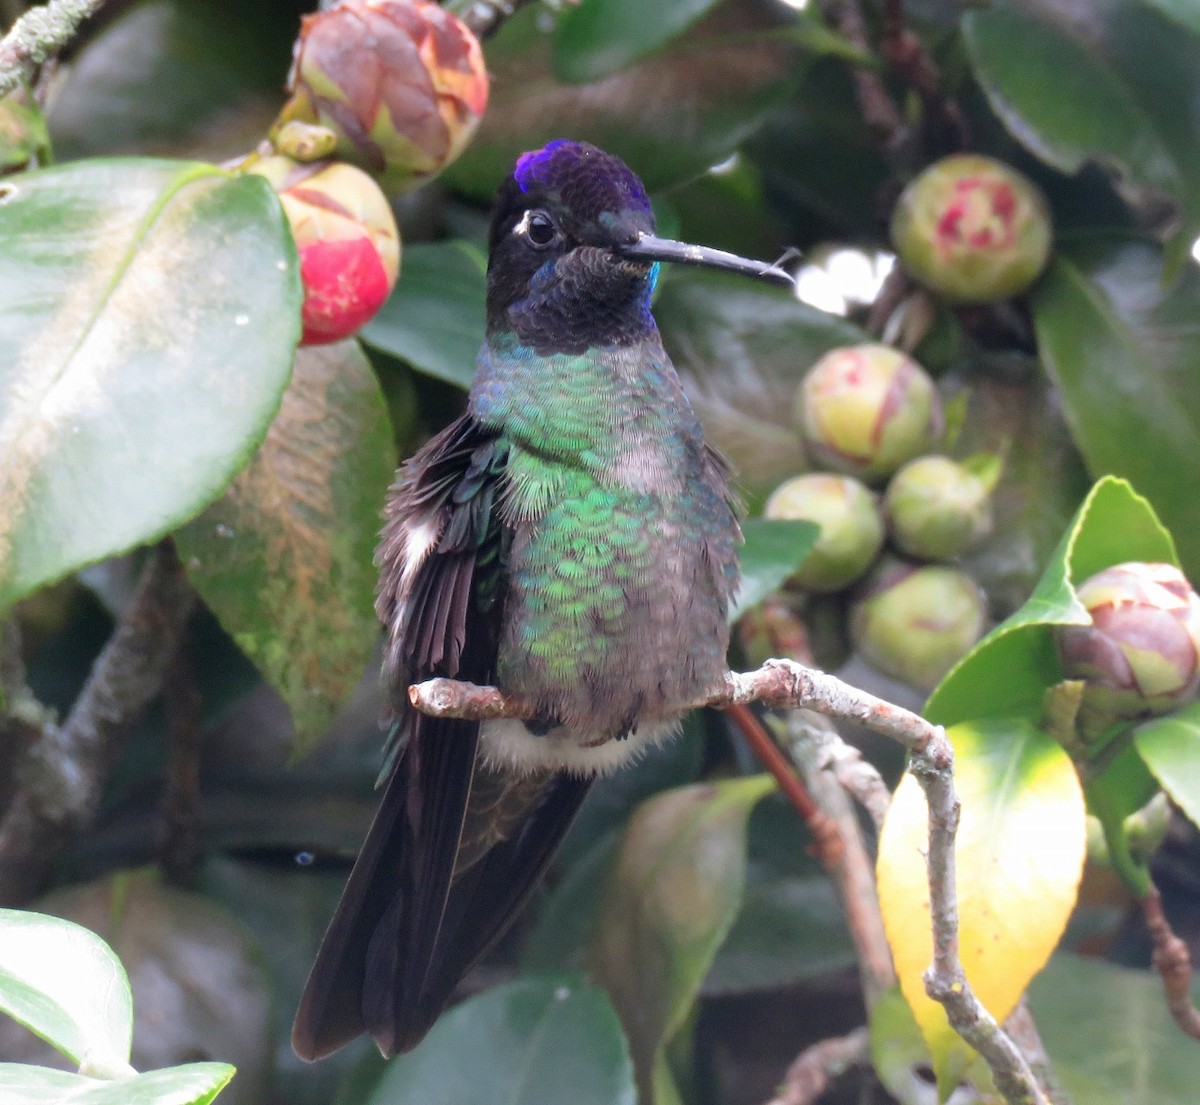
[38, 35]
[787, 684]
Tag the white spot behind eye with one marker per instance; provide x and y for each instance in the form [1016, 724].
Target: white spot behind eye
[522, 227]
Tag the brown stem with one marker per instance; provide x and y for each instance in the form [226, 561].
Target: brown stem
[776, 763]
[878, 108]
[1173, 963]
[62, 774]
[816, 1068]
[810, 737]
[180, 851]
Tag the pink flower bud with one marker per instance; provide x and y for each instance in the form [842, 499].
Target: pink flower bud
[401, 82]
[1141, 654]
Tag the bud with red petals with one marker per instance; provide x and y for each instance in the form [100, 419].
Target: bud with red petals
[866, 409]
[1141, 654]
[973, 229]
[402, 83]
[347, 239]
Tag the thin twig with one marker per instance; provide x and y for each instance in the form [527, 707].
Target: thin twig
[62, 774]
[37, 36]
[788, 684]
[809, 736]
[878, 108]
[816, 1068]
[1173, 962]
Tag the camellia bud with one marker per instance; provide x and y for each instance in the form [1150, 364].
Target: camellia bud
[1141, 654]
[402, 83]
[937, 508]
[973, 229]
[866, 409]
[851, 527]
[347, 239]
[916, 623]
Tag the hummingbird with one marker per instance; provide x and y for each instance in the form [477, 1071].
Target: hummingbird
[571, 539]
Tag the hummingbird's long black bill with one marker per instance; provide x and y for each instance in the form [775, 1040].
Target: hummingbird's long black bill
[648, 247]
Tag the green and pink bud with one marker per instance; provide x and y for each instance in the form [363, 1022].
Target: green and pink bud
[973, 229]
[937, 508]
[866, 409]
[402, 83]
[1141, 654]
[347, 239]
[915, 623]
[851, 527]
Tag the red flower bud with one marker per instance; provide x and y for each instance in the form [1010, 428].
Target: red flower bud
[347, 239]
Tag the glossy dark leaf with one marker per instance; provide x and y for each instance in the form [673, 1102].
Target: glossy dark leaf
[774, 549]
[1108, 105]
[541, 1040]
[434, 319]
[669, 901]
[1170, 747]
[1109, 1035]
[149, 312]
[710, 91]
[284, 558]
[742, 349]
[1123, 346]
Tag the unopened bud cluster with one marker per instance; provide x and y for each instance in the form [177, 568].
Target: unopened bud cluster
[870, 418]
[383, 95]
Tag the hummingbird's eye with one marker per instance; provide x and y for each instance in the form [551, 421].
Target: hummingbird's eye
[540, 229]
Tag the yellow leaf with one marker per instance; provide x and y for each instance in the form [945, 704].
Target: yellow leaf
[1019, 856]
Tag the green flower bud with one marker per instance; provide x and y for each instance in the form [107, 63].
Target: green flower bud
[1141, 654]
[866, 409]
[851, 527]
[401, 82]
[916, 623]
[937, 508]
[24, 139]
[347, 239]
[973, 229]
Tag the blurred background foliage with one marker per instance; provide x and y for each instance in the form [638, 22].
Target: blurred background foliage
[250, 785]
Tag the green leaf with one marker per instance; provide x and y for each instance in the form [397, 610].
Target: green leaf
[1184, 12]
[284, 558]
[173, 77]
[66, 984]
[1019, 856]
[538, 1039]
[1010, 669]
[712, 89]
[1106, 105]
[148, 313]
[669, 901]
[1170, 747]
[191, 1084]
[773, 550]
[599, 37]
[1123, 348]
[741, 350]
[434, 319]
[1109, 1034]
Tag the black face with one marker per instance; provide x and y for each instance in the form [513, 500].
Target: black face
[553, 267]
